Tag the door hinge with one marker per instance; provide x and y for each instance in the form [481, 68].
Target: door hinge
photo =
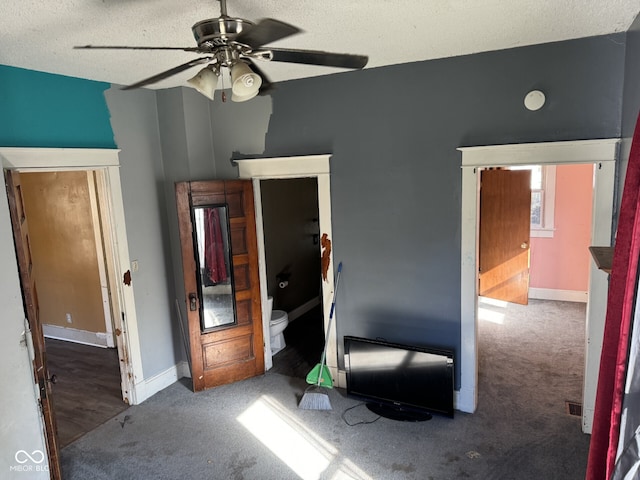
[42, 383]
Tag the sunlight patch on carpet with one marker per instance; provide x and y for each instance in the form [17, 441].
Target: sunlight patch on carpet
[493, 302]
[303, 451]
[490, 310]
[487, 315]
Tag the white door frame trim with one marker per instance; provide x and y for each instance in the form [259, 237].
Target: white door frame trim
[106, 160]
[96, 201]
[604, 154]
[308, 166]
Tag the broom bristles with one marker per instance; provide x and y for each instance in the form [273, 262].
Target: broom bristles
[315, 400]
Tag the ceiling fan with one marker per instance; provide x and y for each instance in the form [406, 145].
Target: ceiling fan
[236, 43]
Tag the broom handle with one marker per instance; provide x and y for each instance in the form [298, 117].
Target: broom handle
[326, 338]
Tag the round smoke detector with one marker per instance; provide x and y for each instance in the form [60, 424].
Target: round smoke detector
[534, 100]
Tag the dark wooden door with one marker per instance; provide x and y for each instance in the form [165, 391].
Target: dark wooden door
[229, 352]
[30, 298]
[505, 222]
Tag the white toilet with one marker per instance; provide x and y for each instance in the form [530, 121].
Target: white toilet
[277, 324]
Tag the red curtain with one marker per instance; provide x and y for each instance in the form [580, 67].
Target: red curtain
[620, 303]
[214, 257]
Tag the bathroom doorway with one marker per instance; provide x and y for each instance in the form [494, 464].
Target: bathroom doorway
[293, 266]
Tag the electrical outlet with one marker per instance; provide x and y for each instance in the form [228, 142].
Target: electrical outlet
[134, 265]
[69, 318]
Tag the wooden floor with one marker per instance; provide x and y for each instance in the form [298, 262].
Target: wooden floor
[87, 392]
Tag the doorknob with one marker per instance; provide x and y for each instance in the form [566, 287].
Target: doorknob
[193, 302]
[524, 245]
[53, 378]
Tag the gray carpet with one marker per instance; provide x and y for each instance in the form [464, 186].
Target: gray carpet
[529, 365]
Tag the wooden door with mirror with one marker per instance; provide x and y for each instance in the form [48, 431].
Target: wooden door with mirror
[221, 280]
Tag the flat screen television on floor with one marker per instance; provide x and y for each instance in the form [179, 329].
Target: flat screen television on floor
[399, 381]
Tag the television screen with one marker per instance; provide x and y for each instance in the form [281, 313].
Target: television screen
[398, 380]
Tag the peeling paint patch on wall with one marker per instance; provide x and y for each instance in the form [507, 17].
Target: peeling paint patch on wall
[325, 244]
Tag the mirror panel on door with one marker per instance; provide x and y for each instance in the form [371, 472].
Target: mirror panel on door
[215, 275]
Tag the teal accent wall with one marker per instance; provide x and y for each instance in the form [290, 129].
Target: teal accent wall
[44, 110]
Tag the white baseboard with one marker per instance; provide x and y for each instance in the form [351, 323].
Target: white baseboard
[558, 295]
[304, 308]
[95, 339]
[587, 420]
[464, 400]
[152, 385]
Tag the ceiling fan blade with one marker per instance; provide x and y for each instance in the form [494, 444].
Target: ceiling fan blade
[265, 31]
[266, 86]
[168, 73]
[315, 57]
[122, 47]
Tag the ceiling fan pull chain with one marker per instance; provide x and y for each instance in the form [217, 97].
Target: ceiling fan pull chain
[223, 95]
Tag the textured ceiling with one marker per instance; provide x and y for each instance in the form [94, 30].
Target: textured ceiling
[39, 35]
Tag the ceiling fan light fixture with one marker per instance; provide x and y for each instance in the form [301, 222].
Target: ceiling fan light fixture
[205, 81]
[245, 83]
[241, 98]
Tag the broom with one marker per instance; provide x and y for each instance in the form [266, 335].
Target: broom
[314, 397]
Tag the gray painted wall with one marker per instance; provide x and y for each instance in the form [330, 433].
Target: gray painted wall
[186, 138]
[396, 186]
[395, 171]
[173, 143]
[631, 104]
[631, 80]
[187, 154]
[134, 119]
[239, 131]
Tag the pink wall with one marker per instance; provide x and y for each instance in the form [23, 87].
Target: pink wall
[562, 262]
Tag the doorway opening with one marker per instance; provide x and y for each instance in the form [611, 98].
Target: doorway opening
[538, 323]
[311, 166]
[290, 221]
[601, 153]
[106, 164]
[66, 215]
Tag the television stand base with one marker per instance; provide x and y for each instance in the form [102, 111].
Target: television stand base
[392, 413]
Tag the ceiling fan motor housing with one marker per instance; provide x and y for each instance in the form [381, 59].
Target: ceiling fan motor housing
[218, 32]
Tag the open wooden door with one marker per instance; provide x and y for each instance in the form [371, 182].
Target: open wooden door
[222, 287]
[30, 299]
[505, 223]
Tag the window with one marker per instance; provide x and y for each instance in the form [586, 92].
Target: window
[543, 194]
